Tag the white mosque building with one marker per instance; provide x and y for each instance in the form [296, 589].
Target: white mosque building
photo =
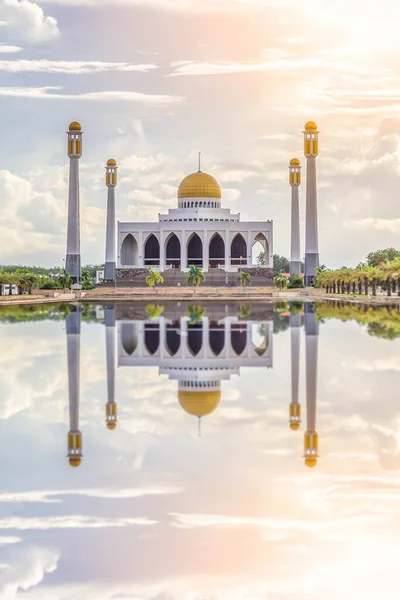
[198, 232]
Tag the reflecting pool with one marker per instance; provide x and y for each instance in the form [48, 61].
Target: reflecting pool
[199, 452]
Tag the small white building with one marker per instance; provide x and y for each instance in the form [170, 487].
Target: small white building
[198, 232]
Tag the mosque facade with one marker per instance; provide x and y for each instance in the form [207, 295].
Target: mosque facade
[199, 231]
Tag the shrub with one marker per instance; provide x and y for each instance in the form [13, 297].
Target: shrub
[295, 281]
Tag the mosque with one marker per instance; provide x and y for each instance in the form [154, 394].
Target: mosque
[199, 352]
[199, 231]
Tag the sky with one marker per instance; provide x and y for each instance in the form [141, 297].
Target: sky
[148, 514]
[155, 81]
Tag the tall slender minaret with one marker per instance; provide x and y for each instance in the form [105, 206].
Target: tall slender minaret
[311, 153]
[111, 182]
[73, 258]
[294, 180]
[311, 436]
[111, 407]
[73, 329]
[295, 408]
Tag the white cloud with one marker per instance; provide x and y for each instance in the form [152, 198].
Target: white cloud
[75, 67]
[53, 496]
[26, 20]
[4, 49]
[205, 520]
[107, 96]
[392, 225]
[26, 569]
[5, 540]
[70, 522]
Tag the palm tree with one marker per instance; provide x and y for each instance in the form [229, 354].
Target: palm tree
[244, 311]
[86, 280]
[196, 313]
[195, 276]
[64, 279]
[154, 278]
[281, 281]
[154, 311]
[244, 278]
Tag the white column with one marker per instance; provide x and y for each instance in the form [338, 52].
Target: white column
[311, 250]
[206, 337]
[109, 267]
[140, 249]
[249, 262]
[162, 251]
[184, 340]
[295, 260]
[161, 349]
[184, 265]
[206, 251]
[73, 257]
[227, 251]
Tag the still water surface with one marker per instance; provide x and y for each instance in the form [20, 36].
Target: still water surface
[199, 453]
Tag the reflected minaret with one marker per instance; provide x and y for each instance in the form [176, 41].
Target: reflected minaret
[311, 435]
[73, 329]
[311, 153]
[111, 182]
[73, 258]
[111, 407]
[294, 180]
[295, 408]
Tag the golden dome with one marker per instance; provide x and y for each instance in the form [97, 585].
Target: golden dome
[199, 404]
[75, 462]
[295, 426]
[310, 462]
[111, 425]
[111, 162]
[295, 162]
[310, 126]
[75, 126]
[199, 185]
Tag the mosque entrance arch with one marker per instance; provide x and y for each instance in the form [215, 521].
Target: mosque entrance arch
[152, 251]
[238, 250]
[173, 339]
[195, 338]
[217, 251]
[129, 337]
[217, 337]
[152, 337]
[260, 250]
[238, 339]
[173, 251]
[129, 251]
[195, 251]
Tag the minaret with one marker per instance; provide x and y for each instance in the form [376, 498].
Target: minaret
[73, 329]
[111, 407]
[311, 436]
[295, 408]
[294, 180]
[111, 182]
[311, 153]
[73, 259]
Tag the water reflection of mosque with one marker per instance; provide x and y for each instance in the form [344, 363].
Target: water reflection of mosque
[199, 352]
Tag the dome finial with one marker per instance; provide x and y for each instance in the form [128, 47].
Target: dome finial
[199, 162]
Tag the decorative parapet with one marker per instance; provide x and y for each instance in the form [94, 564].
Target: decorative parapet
[129, 274]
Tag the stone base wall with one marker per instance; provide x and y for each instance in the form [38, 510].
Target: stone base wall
[260, 277]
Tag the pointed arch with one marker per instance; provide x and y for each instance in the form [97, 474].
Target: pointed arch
[195, 338]
[238, 250]
[260, 244]
[238, 339]
[173, 339]
[217, 338]
[152, 250]
[129, 338]
[129, 251]
[152, 337]
[195, 250]
[216, 251]
[173, 251]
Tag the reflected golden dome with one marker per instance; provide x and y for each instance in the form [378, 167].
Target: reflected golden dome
[111, 162]
[75, 462]
[310, 126]
[295, 426]
[111, 425]
[199, 404]
[75, 126]
[310, 462]
[295, 162]
[199, 185]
